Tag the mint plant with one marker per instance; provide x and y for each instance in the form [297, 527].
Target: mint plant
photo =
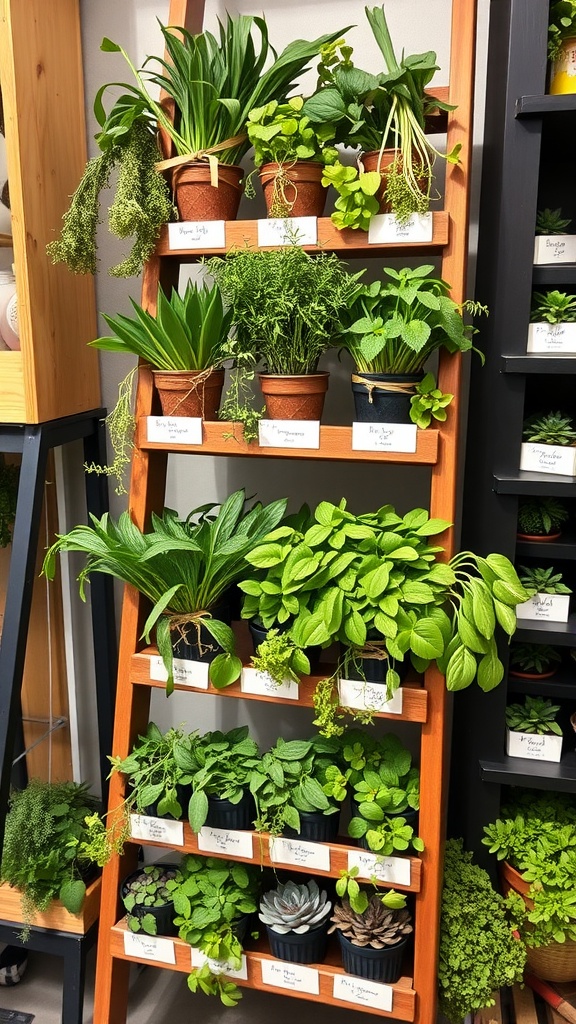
[225, 764]
[429, 403]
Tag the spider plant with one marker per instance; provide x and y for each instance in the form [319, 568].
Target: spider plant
[183, 567]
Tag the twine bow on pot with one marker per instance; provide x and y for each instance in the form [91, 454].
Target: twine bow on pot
[179, 162]
[395, 387]
[373, 650]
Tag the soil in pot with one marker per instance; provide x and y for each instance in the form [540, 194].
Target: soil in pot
[293, 190]
[309, 948]
[383, 397]
[224, 814]
[164, 915]
[371, 667]
[196, 197]
[259, 634]
[194, 643]
[294, 397]
[315, 827]
[384, 965]
[189, 393]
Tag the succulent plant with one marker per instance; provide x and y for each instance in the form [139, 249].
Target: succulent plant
[541, 516]
[378, 927]
[553, 428]
[551, 222]
[294, 908]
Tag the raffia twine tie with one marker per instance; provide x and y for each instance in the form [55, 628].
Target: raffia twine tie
[394, 387]
[374, 650]
[195, 383]
[179, 162]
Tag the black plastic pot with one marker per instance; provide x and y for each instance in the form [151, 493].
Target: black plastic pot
[375, 404]
[164, 915]
[241, 925]
[309, 948]
[383, 965]
[187, 646]
[315, 827]
[183, 794]
[410, 816]
[224, 814]
[371, 670]
[259, 634]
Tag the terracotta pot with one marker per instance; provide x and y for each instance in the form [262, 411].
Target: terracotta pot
[539, 538]
[303, 192]
[196, 197]
[189, 392]
[563, 73]
[291, 397]
[557, 960]
[373, 162]
[532, 675]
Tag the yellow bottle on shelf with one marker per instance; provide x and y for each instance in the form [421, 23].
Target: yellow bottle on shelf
[563, 77]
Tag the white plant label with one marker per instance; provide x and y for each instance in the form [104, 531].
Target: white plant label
[385, 227]
[149, 947]
[197, 234]
[198, 959]
[386, 869]
[262, 684]
[289, 433]
[566, 63]
[186, 673]
[554, 249]
[315, 856]
[545, 608]
[291, 976]
[174, 429]
[157, 830]
[288, 231]
[536, 748]
[384, 437]
[356, 693]
[554, 339]
[222, 840]
[362, 993]
[548, 458]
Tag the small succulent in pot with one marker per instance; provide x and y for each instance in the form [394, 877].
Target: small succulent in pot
[541, 518]
[533, 660]
[373, 942]
[553, 428]
[296, 918]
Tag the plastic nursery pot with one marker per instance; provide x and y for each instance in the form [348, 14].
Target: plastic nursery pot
[539, 538]
[195, 643]
[294, 397]
[557, 960]
[259, 634]
[384, 397]
[315, 827]
[562, 75]
[296, 187]
[196, 197]
[370, 670]
[224, 814]
[373, 964]
[309, 948]
[189, 393]
[163, 915]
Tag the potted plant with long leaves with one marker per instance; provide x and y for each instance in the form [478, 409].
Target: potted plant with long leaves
[561, 44]
[532, 730]
[373, 941]
[550, 597]
[541, 518]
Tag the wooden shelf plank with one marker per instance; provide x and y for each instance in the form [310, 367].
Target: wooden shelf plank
[242, 233]
[56, 917]
[403, 995]
[225, 438]
[415, 697]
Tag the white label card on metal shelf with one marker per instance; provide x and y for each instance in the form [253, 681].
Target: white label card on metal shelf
[548, 458]
[289, 433]
[186, 673]
[356, 693]
[197, 234]
[198, 959]
[222, 840]
[545, 608]
[315, 856]
[157, 830]
[362, 993]
[149, 947]
[288, 231]
[533, 747]
[384, 227]
[387, 869]
[559, 339]
[174, 429]
[384, 437]
[261, 684]
[291, 976]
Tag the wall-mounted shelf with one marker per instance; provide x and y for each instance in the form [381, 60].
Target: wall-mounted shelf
[523, 482]
[536, 106]
[517, 771]
[538, 364]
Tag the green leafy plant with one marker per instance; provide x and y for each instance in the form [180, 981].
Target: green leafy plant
[535, 715]
[183, 568]
[147, 891]
[385, 787]
[348, 887]
[157, 765]
[281, 659]
[537, 658]
[553, 428]
[429, 403]
[562, 26]
[551, 222]
[9, 477]
[295, 908]
[385, 922]
[553, 307]
[356, 203]
[226, 762]
[541, 516]
[542, 581]
[479, 952]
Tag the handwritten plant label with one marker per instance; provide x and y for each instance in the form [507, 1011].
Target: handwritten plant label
[174, 429]
[186, 673]
[356, 693]
[157, 830]
[384, 437]
[545, 608]
[197, 234]
[288, 231]
[291, 976]
[226, 841]
[554, 249]
[396, 870]
[553, 339]
[198, 959]
[149, 947]
[548, 458]
[262, 684]
[289, 433]
[315, 856]
[536, 748]
[362, 993]
[385, 227]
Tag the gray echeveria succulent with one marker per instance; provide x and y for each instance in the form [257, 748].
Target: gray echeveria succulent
[294, 908]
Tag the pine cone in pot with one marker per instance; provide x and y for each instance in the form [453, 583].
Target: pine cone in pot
[378, 927]
[294, 908]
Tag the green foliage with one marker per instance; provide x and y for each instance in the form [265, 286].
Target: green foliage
[428, 403]
[386, 786]
[534, 657]
[542, 581]
[553, 307]
[478, 952]
[281, 658]
[148, 890]
[120, 423]
[562, 26]
[348, 888]
[357, 202]
[238, 403]
[541, 516]
[9, 477]
[156, 766]
[225, 764]
[536, 715]
[551, 222]
[553, 428]
[281, 133]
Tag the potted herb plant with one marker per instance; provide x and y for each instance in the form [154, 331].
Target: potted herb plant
[553, 323]
[552, 243]
[220, 793]
[373, 943]
[296, 918]
[550, 601]
[287, 308]
[561, 45]
[549, 444]
[391, 330]
[533, 661]
[159, 771]
[280, 659]
[386, 799]
[148, 902]
[540, 519]
[9, 476]
[532, 730]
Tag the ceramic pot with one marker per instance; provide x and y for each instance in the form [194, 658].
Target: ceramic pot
[294, 397]
[383, 397]
[196, 197]
[300, 189]
[189, 392]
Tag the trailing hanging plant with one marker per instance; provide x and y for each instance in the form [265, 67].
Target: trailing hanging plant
[280, 658]
[9, 477]
[428, 403]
